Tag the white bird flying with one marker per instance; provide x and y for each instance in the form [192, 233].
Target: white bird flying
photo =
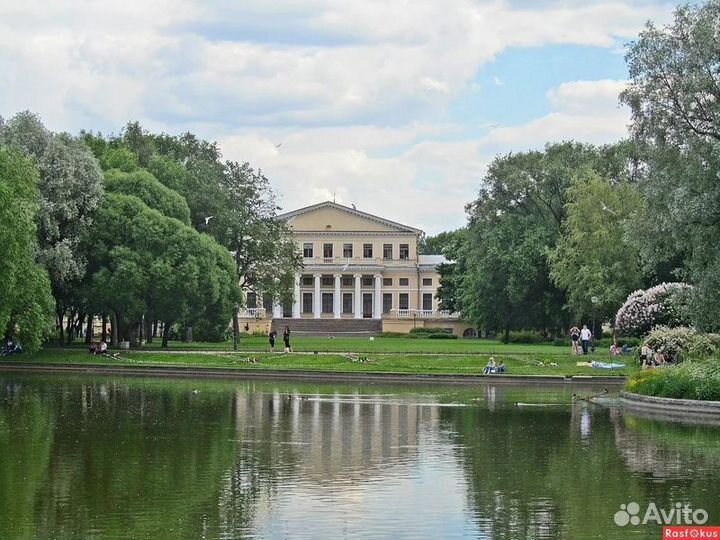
[207, 219]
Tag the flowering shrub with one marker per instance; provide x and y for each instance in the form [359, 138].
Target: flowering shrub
[679, 343]
[689, 380]
[665, 304]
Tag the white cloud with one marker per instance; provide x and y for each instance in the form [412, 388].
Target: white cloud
[356, 91]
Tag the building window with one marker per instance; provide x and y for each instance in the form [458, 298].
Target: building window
[387, 282]
[347, 251]
[387, 302]
[387, 251]
[403, 301]
[427, 282]
[404, 251]
[404, 282]
[307, 302]
[347, 302]
[327, 281]
[328, 251]
[348, 281]
[327, 302]
[427, 301]
[307, 280]
[308, 250]
[367, 251]
[367, 281]
[251, 300]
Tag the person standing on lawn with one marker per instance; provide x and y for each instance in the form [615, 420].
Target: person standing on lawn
[286, 339]
[575, 339]
[585, 336]
[271, 337]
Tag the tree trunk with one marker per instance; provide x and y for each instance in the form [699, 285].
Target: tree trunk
[103, 336]
[89, 330]
[114, 328]
[69, 328]
[506, 334]
[59, 312]
[188, 334]
[166, 334]
[236, 329]
[132, 335]
[148, 329]
[155, 329]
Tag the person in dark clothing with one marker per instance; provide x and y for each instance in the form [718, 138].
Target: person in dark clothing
[271, 337]
[286, 339]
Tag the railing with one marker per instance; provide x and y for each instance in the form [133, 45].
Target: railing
[253, 313]
[424, 314]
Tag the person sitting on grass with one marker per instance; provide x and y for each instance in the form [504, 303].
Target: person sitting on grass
[659, 359]
[490, 367]
[501, 367]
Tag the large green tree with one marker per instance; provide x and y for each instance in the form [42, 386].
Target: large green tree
[674, 95]
[594, 255]
[26, 303]
[71, 188]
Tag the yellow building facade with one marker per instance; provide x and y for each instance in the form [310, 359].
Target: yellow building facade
[358, 266]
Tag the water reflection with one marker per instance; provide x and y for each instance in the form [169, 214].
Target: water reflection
[122, 458]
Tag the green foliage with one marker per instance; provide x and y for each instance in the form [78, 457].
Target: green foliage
[26, 303]
[689, 380]
[430, 330]
[119, 158]
[674, 96]
[148, 189]
[444, 243]
[528, 336]
[593, 256]
[683, 342]
[441, 335]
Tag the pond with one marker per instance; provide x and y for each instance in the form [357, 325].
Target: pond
[105, 458]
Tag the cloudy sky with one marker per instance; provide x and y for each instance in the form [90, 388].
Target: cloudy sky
[394, 105]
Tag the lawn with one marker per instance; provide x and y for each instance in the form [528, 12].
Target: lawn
[524, 363]
[383, 345]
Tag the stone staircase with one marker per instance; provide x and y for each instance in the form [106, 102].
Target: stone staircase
[328, 327]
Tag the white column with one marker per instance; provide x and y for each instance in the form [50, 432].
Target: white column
[317, 301]
[358, 296]
[277, 310]
[337, 297]
[296, 298]
[377, 301]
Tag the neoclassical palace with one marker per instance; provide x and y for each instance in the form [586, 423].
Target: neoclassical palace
[361, 274]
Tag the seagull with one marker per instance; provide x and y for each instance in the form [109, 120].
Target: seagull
[347, 263]
[278, 145]
[207, 219]
[604, 207]
[353, 205]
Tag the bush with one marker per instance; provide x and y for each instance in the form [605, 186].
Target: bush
[682, 342]
[529, 336]
[699, 379]
[392, 335]
[666, 304]
[442, 335]
[431, 330]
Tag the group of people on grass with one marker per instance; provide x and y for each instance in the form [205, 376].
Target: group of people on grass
[492, 367]
[10, 347]
[272, 336]
[650, 358]
[581, 340]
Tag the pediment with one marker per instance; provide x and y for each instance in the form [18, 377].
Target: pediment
[333, 217]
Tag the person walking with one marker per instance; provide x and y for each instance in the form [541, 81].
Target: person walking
[271, 338]
[585, 336]
[286, 339]
[575, 339]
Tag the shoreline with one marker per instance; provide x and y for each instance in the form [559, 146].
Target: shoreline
[181, 371]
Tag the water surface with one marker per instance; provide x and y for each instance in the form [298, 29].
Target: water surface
[106, 458]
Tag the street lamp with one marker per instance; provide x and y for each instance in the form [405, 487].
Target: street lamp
[594, 301]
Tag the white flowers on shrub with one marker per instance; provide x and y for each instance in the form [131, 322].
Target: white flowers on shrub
[682, 342]
[665, 304]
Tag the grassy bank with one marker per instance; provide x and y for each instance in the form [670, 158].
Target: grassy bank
[698, 379]
[403, 345]
[517, 364]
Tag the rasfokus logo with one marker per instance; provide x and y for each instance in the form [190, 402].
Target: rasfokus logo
[677, 514]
